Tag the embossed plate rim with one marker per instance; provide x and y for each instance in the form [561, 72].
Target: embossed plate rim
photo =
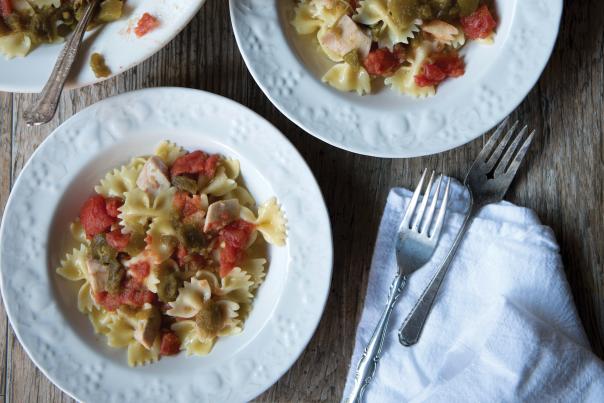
[300, 96]
[36, 316]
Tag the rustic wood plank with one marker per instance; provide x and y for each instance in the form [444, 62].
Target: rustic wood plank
[6, 121]
[561, 181]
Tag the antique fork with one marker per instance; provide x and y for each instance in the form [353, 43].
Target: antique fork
[488, 181]
[415, 243]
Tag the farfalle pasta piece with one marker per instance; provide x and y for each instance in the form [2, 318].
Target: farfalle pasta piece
[120, 181]
[140, 208]
[73, 266]
[77, 232]
[190, 299]
[86, 303]
[169, 151]
[393, 30]
[271, 221]
[162, 235]
[139, 355]
[255, 269]
[189, 339]
[16, 44]
[345, 77]
[232, 168]
[101, 320]
[236, 286]
[403, 80]
[242, 195]
[304, 20]
[221, 184]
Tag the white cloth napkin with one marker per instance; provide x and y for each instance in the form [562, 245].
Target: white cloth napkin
[504, 327]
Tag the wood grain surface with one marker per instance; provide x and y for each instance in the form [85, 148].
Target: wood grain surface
[562, 181]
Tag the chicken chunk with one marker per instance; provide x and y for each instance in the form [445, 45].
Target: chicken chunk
[154, 176]
[441, 31]
[147, 328]
[98, 275]
[344, 37]
[221, 214]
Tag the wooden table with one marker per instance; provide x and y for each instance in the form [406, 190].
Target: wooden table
[562, 181]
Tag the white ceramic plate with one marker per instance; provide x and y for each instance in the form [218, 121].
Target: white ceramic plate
[497, 79]
[58, 178]
[116, 41]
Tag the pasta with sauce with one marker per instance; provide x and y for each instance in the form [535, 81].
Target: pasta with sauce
[413, 45]
[171, 251]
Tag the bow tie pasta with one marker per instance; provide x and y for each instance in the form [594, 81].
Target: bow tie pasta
[413, 45]
[171, 251]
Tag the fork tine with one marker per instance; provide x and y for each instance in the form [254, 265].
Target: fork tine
[422, 207]
[440, 219]
[413, 202]
[507, 157]
[428, 219]
[501, 147]
[520, 155]
[488, 148]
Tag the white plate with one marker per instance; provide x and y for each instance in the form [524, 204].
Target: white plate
[116, 41]
[58, 178]
[497, 79]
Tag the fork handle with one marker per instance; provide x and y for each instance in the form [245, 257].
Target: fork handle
[413, 325]
[369, 360]
[45, 107]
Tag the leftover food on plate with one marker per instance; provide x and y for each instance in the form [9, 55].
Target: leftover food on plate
[412, 45]
[25, 24]
[170, 251]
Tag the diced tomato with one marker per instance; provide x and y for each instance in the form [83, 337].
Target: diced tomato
[235, 237]
[94, 216]
[117, 240]
[192, 205]
[139, 270]
[381, 62]
[6, 7]
[443, 66]
[108, 301]
[133, 294]
[179, 201]
[170, 343]
[113, 204]
[194, 163]
[146, 24]
[181, 254]
[479, 24]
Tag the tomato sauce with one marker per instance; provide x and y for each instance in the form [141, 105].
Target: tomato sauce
[139, 270]
[146, 24]
[235, 237]
[133, 294]
[112, 204]
[194, 163]
[480, 24]
[381, 62]
[94, 216]
[6, 7]
[450, 65]
[117, 240]
[170, 343]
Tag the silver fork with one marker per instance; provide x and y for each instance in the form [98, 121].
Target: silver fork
[415, 244]
[488, 180]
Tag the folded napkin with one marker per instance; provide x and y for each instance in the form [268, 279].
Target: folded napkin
[503, 327]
